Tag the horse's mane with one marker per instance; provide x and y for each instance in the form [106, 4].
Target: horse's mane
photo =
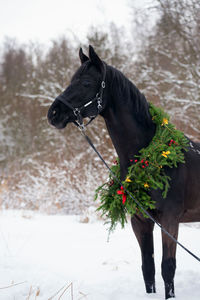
[128, 94]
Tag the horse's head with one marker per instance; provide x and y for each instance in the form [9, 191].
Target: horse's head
[84, 96]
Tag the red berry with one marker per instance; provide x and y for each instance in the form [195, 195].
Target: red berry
[136, 160]
[143, 166]
[111, 183]
[142, 160]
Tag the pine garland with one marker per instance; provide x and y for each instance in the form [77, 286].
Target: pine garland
[146, 172]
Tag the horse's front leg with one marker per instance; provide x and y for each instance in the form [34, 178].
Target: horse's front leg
[169, 256]
[143, 229]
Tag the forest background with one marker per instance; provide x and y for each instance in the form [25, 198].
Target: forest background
[45, 169]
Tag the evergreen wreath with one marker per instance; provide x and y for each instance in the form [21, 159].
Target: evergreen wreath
[146, 172]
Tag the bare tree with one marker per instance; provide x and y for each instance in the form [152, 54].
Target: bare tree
[167, 66]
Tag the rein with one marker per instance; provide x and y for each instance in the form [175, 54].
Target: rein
[134, 199]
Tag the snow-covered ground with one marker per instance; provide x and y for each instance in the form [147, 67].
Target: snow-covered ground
[40, 255]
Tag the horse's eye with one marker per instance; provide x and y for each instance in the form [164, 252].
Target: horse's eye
[86, 83]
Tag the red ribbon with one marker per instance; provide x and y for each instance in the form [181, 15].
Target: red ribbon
[121, 192]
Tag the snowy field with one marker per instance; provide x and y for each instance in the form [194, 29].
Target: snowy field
[61, 257]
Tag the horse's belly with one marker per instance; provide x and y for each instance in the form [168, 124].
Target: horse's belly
[191, 215]
[192, 184]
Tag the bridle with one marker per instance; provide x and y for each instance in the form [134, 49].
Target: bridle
[78, 110]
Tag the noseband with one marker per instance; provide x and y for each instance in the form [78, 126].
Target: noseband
[77, 110]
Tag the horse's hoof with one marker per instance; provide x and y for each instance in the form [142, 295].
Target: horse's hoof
[169, 290]
[150, 287]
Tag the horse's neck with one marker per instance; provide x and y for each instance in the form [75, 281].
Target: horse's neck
[128, 134]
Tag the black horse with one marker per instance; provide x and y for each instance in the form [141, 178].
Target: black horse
[126, 114]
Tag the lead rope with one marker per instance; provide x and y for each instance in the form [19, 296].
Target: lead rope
[135, 200]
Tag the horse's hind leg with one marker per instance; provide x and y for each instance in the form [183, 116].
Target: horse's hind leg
[143, 229]
[169, 257]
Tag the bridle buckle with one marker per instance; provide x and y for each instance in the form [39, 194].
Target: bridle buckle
[99, 103]
[76, 111]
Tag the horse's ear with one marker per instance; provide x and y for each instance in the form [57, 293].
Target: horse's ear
[95, 58]
[82, 56]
